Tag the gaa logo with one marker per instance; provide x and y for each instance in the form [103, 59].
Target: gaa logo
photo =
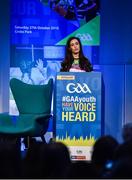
[84, 37]
[78, 88]
[79, 151]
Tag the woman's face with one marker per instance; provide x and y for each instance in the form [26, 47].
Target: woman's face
[75, 46]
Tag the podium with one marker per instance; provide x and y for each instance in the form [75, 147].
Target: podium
[77, 111]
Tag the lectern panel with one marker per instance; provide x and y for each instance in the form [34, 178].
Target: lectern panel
[78, 111]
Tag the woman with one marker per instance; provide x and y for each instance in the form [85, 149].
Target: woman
[75, 61]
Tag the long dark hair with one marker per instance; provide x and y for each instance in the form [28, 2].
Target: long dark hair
[84, 63]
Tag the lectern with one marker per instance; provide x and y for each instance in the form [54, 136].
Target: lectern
[77, 111]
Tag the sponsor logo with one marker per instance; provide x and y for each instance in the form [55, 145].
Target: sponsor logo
[78, 157]
[78, 88]
[65, 77]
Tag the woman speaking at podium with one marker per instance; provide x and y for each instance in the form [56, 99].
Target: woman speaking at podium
[74, 60]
